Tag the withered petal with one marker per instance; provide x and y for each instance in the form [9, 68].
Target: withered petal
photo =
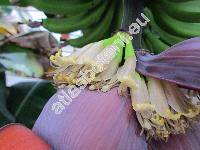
[179, 64]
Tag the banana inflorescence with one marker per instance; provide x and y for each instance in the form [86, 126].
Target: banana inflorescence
[161, 107]
[171, 22]
[96, 18]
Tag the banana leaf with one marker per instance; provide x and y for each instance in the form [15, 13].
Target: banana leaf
[24, 63]
[40, 41]
[26, 100]
[5, 115]
[4, 2]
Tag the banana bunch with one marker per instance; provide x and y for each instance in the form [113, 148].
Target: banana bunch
[96, 18]
[161, 107]
[170, 22]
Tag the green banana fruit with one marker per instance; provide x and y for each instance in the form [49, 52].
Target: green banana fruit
[80, 21]
[165, 36]
[188, 11]
[148, 44]
[61, 7]
[174, 26]
[98, 31]
[58, 24]
[157, 45]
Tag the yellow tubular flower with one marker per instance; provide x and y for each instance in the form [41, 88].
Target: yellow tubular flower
[66, 66]
[96, 59]
[80, 51]
[171, 111]
[75, 66]
[87, 73]
[110, 71]
[97, 62]
[105, 78]
[126, 74]
[109, 54]
[152, 123]
[63, 61]
[178, 101]
[88, 56]
[140, 97]
[103, 59]
[159, 101]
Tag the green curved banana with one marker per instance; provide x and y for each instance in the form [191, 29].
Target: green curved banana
[98, 31]
[148, 44]
[157, 45]
[165, 36]
[57, 24]
[188, 11]
[174, 26]
[80, 21]
[61, 7]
